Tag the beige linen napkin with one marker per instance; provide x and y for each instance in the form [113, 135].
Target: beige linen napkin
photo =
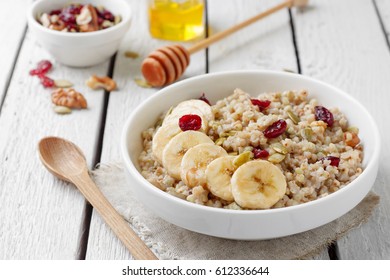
[171, 242]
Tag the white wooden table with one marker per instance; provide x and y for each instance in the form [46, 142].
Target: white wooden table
[342, 42]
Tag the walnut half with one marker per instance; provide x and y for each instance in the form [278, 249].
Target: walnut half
[68, 98]
[95, 82]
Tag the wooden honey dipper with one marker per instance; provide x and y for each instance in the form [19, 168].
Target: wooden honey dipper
[166, 64]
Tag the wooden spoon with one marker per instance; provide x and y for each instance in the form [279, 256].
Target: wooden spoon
[166, 64]
[66, 161]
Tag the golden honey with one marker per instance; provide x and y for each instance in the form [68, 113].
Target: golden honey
[176, 20]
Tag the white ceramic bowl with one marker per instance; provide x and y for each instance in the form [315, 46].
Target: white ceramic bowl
[80, 49]
[249, 224]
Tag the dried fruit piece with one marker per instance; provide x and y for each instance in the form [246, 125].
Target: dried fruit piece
[131, 54]
[68, 98]
[190, 122]
[62, 83]
[293, 117]
[203, 98]
[276, 129]
[259, 153]
[334, 161]
[351, 139]
[323, 114]
[279, 148]
[42, 68]
[62, 110]
[262, 104]
[95, 82]
[46, 81]
[142, 83]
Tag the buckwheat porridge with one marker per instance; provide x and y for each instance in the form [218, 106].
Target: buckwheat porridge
[276, 150]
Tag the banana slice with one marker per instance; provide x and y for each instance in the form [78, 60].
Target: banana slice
[192, 106]
[195, 161]
[200, 105]
[177, 148]
[161, 139]
[218, 176]
[258, 184]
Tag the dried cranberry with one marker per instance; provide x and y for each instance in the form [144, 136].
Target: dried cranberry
[68, 18]
[259, 153]
[262, 104]
[190, 122]
[42, 68]
[107, 15]
[276, 129]
[100, 20]
[334, 161]
[46, 81]
[323, 114]
[55, 12]
[73, 9]
[204, 98]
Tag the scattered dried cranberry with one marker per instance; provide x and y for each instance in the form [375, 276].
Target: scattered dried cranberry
[262, 104]
[334, 161]
[42, 68]
[276, 129]
[46, 81]
[323, 114]
[204, 98]
[259, 153]
[190, 122]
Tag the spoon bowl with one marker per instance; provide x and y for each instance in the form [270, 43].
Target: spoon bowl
[67, 162]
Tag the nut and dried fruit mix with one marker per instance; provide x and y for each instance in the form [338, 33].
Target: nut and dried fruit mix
[277, 150]
[79, 18]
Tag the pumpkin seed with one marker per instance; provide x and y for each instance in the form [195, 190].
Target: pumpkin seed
[142, 83]
[220, 141]
[276, 158]
[242, 158]
[62, 83]
[293, 117]
[308, 133]
[279, 148]
[130, 54]
[62, 110]
[232, 153]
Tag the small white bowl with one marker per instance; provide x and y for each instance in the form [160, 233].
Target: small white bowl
[80, 49]
[249, 224]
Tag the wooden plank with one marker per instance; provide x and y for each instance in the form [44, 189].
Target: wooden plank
[102, 243]
[42, 217]
[12, 31]
[347, 48]
[384, 13]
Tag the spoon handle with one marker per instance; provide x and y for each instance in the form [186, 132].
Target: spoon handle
[115, 221]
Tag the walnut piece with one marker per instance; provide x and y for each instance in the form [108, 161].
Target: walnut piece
[95, 82]
[351, 139]
[68, 98]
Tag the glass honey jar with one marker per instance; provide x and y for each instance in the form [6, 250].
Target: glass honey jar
[176, 20]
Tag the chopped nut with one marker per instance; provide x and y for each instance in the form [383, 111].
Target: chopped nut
[68, 98]
[351, 139]
[45, 20]
[117, 19]
[142, 83]
[93, 25]
[95, 82]
[107, 24]
[131, 54]
[62, 83]
[62, 110]
[84, 17]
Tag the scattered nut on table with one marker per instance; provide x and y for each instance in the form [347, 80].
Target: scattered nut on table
[69, 98]
[95, 82]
